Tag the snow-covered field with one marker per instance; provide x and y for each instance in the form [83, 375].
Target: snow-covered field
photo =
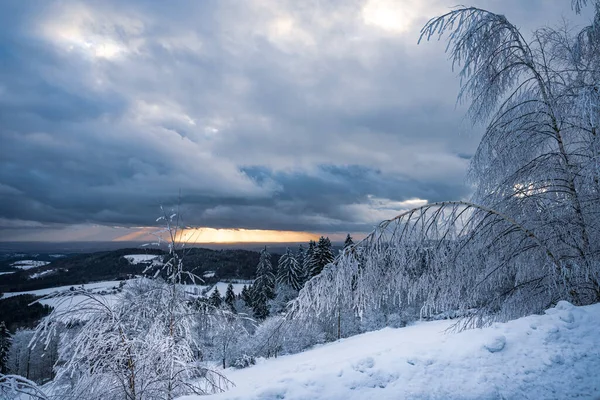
[28, 264]
[551, 356]
[95, 287]
[141, 258]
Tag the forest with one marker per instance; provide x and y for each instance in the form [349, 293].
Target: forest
[527, 239]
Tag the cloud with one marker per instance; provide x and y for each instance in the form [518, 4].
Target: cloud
[262, 114]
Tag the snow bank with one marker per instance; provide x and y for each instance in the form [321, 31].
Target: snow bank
[551, 356]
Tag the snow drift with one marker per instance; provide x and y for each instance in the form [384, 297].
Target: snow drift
[551, 356]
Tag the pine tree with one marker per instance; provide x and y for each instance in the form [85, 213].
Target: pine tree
[290, 272]
[264, 285]
[215, 298]
[300, 256]
[348, 242]
[310, 261]
[5, 342]
[247, 296]
[323, 255]
[230, 297]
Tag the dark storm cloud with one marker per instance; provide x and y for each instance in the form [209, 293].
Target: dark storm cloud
[262, 115]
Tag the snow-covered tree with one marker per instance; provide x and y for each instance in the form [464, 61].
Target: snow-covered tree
[530, 237]
[263, 288]
[138, 345]
[323, 255]
[215, 298]
[247, 295]
[349, 241]
[15, 387]
[5, 342]
[538, 160]
[310, 260]
[290, 272]
[230, 297]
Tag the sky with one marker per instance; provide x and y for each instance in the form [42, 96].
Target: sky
[255, 119]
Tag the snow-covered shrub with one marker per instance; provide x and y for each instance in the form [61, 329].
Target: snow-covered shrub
[244, 361]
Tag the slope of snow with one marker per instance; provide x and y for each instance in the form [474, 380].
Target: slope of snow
[9, 272]
[551, 356]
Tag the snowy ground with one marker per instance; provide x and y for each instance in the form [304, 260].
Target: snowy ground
[552, 356]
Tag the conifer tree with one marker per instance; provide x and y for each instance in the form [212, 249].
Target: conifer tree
[5, 342]
[290, 272]
[323, 256]
[247, 295]
[264, 285]
[230, 297]
[215, 298]
[348, 242]
[310, 260]
[300, 256]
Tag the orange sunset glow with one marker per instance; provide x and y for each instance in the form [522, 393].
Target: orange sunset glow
[212, 235]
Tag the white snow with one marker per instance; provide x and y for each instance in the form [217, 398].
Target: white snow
[141, 258]
[40, 274]
[28, 264]
[551, 356]
[5, 273]
[95, 287]
[208, 274]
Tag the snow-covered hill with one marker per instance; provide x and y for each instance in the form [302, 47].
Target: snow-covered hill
[551, 356]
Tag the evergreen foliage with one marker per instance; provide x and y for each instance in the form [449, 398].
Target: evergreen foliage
[263, 288]
[310, 260]
[230, 297]
[290, 272]
[215, 298]
[5, 342]
[323, 255]
[247, 295]
[348, 242]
